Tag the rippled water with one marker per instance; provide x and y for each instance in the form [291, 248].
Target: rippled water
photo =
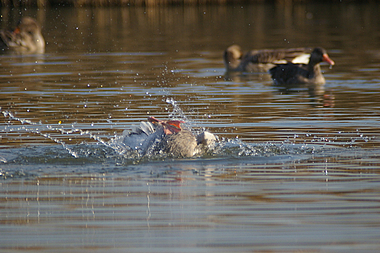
[294, 169]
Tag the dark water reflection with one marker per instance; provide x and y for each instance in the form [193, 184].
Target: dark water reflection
[296, 169]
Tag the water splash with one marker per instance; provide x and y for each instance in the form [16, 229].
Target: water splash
[115, 143]
[115, 149]
[177, 113]
[40, 129]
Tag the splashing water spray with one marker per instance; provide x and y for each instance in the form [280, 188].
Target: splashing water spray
[115, 143]
[39, 129]
[177, 112]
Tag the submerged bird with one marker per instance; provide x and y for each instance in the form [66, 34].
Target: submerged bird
[168, 137]
[25, 39]
[310, 73]
[262, 60]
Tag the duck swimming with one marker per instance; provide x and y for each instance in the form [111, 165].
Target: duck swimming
[289, 74]
[262, 60]
[25, 39]
[168, 137]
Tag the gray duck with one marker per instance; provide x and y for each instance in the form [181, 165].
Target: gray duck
[168, 137]
[25, 39]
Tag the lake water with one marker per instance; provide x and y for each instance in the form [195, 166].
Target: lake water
[295, 170]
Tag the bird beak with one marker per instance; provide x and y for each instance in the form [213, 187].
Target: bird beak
[17, 30]
[173, 126]
[327, 59]
[154, 120]
[170, 127]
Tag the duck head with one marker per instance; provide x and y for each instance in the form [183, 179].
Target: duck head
[28, 34]
[320, 55]
[232, 57]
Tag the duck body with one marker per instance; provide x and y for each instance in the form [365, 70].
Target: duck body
[290, 73]
[25, 39]
[168, 137]
[262, 60]
[181, 144]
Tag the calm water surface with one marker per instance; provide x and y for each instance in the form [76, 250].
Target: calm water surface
[296, 169]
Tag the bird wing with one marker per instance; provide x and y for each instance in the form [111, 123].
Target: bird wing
[287, 73]
[278, 56]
